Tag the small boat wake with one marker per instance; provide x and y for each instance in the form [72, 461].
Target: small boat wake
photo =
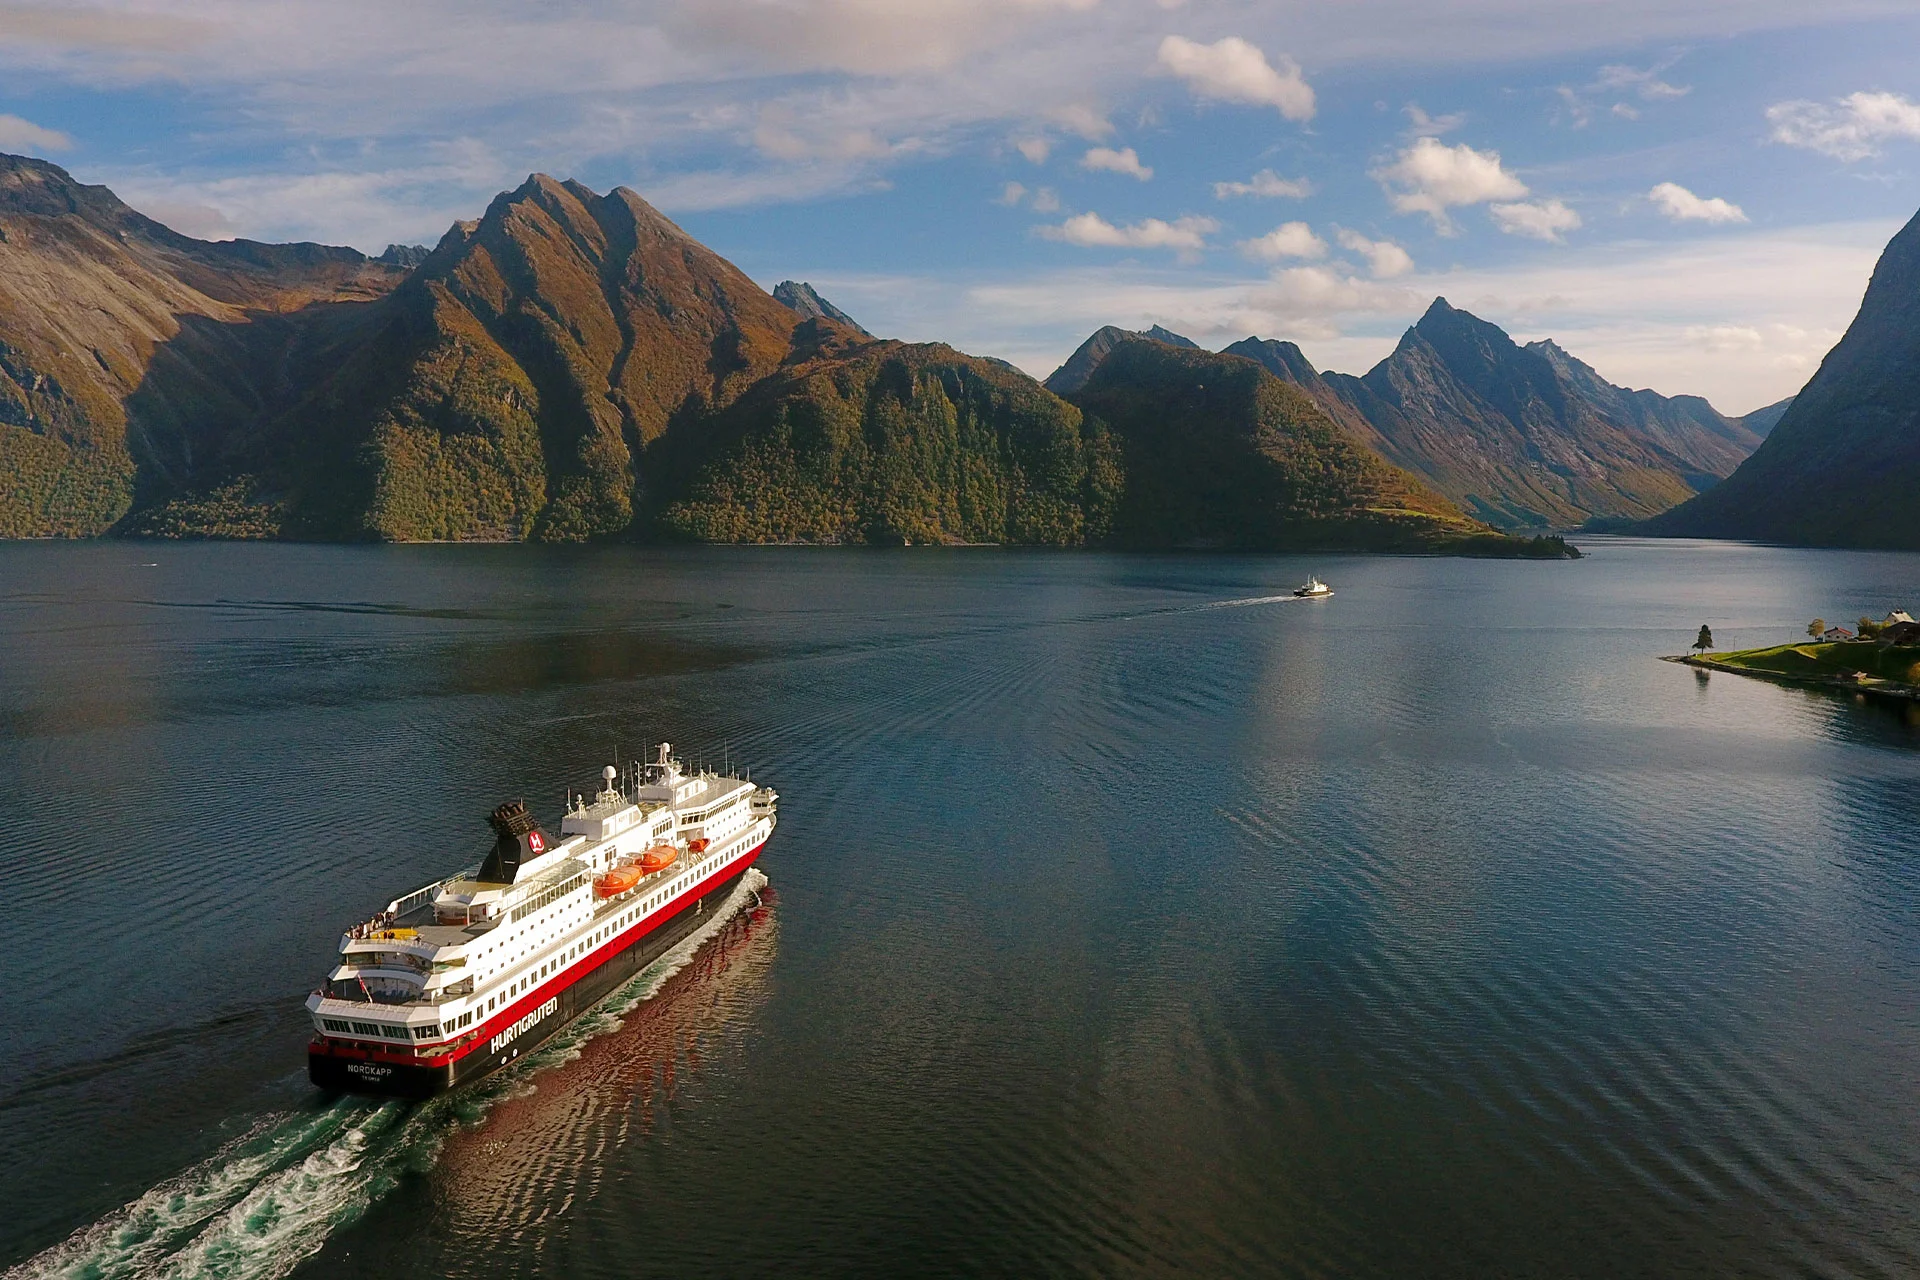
[1252, 600]
[269, 1199]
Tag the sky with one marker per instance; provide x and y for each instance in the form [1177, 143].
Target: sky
[1688, 194]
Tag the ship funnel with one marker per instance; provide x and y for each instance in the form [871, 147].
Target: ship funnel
[517, 840]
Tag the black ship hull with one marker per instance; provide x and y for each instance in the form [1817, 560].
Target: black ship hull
[343, 1066]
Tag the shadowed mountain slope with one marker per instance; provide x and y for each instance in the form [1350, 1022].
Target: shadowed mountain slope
[1762, 421]
[508, 388]
[1842, 467]
[1220, 452]
[890, 443]
[116, 332]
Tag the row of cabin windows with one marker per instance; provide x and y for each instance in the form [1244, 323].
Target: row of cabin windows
[519, 986]
[431, 1031]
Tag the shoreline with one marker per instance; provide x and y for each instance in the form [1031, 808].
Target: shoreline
[1859, 683]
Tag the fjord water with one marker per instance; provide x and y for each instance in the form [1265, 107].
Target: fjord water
[1124, 917]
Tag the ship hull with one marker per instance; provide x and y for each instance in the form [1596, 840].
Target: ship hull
[344, 1066]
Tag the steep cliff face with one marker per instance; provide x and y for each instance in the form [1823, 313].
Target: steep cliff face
[1842, 466]
[116, 331]
[1220, 452]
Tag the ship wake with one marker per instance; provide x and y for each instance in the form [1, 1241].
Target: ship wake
[270, 1199]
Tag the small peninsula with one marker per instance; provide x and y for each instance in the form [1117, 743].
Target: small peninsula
[1882, 660]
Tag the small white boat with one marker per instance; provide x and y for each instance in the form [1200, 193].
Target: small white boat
[1314, 590]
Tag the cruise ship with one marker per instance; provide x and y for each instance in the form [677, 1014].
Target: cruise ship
[462, 977]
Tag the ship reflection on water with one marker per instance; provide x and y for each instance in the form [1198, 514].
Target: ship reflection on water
[545, 1137]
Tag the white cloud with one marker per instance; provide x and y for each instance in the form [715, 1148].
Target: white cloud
[864, 37]
[1042, 200]
[1853, 128]
[1187, 235]
[1682, 205]
[17, 134]
[1385, 259]
[667, 94]
[1265, 183]
[1035, 150]
[365, 208]
[1422, 125]
[1647, 84]
[1537, 219]
[1232, 70]
[1079, 118]
[24, 135]
[1430, 177]
[1288, 240]
[1578, 109]
[1676, 316]
[1124, 161]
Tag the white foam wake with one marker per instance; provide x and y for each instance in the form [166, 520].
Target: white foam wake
[1241, 604]
[269, 1199]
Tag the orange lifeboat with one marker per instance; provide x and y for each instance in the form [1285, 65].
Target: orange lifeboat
[658, 858]
[698, 846]
[617, 881]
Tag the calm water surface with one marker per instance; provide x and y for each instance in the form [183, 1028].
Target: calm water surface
[1123, 918]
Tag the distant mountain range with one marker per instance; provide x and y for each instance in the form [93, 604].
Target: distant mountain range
[1524, 438]
[1841, 466]
[573, 365]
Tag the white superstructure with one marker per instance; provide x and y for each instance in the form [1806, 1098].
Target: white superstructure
[474, 957]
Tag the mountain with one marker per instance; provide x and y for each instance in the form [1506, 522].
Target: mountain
[506, 390]
[404, 256]
[800, 297]
[1217, 451]
[1073, 374]
[1171, 338]
[889, 443]
[1842, 466]
[1762, 421]
[1521, 437]
[116, 332]
[573, 365]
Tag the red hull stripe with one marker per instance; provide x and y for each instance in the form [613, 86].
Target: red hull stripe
[475, 1040]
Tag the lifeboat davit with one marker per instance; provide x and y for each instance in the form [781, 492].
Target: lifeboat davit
[698, 846]
[617, 881]
[658, 858]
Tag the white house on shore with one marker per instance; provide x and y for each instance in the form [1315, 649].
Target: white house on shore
[1834, 634]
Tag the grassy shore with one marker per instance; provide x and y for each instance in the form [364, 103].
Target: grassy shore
[1854, 665]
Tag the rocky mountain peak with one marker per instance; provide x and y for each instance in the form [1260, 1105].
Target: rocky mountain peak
[1073, 374]
[799, 296]
[1172, 339]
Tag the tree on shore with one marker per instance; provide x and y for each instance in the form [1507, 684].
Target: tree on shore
[1704, 641]
[1817, 628]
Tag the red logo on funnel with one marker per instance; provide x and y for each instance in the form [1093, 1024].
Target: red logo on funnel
[535, 843]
